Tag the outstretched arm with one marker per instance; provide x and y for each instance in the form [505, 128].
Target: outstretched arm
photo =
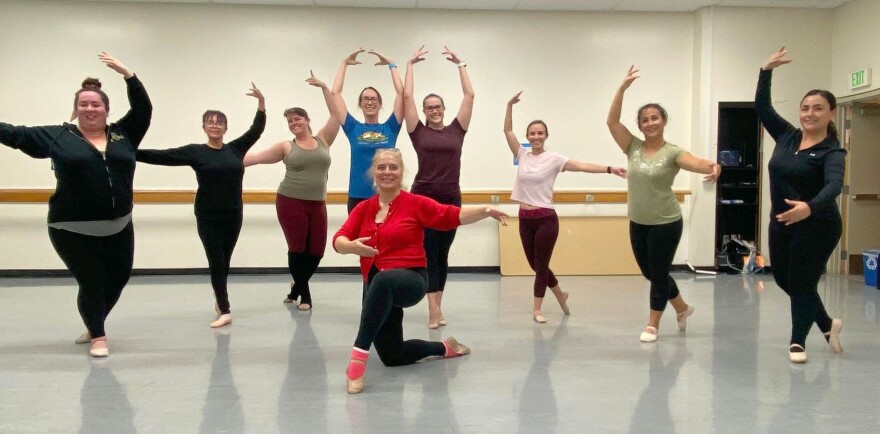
[691, 163]
[579, 166]
[339, 110]
[410, 112]
[328, 132]
[619, 132]
[270, 155]
[473, 214]
[512, 142]
[467, 101]
[395, 80]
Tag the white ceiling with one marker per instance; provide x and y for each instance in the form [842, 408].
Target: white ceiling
[530, 5]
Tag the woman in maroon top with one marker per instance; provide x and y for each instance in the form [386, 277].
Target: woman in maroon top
[438, 148]
[387, 232]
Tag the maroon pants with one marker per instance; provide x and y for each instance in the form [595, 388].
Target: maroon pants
[538, 230]
[304, 223]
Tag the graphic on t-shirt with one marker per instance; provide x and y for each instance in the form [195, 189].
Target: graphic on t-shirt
[372, 137]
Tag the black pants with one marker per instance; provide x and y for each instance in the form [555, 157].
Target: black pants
[654, 247]
[798, 254]
[101, 267]
[437, 245]
[382, 316]
[302, 267]
[219, 232]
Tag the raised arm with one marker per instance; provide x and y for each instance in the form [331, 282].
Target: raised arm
[410, 112]
[395, 80]
[775, 124]
[137, 120]
[328, 132]
[619, 132]
[512, 142]
[339, 110]
[579, 166]
[692, 163]
[242, 144]
[270, 155]
[467, 100]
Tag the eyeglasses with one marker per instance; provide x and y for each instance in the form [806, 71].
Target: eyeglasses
[369, 99]
[434, 108]
[215, 124]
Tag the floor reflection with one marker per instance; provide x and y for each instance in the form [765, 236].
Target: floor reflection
[538, 411]
[222, 410]
[652, 413]
[105, 405]
[302, 403]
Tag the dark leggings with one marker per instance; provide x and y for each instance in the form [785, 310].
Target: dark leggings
[798, 254]
[353, 201]
[219, 233]
[101, 267]
[538, 230]
[382, 316]
[304, 223]
[654, 248]
[437, 245]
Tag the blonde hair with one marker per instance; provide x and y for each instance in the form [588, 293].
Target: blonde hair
[387, 152]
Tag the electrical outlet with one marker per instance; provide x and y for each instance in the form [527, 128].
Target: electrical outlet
[494, 198]
[590, 198]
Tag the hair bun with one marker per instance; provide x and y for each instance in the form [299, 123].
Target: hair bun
[91, 83]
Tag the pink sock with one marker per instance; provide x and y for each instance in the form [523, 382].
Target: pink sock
[358, 364]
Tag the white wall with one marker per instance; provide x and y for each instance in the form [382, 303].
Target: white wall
[856, 45]
[195, 57]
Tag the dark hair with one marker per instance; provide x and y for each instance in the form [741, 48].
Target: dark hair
[538, 122]
[652, 105]
[92, 85]
[436, 96]
[299, 111]
[378, 95]
[216, 114]
[832, 103]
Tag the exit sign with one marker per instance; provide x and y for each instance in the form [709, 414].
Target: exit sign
[860, 78]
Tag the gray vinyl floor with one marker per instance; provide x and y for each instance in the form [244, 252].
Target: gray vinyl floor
[279, 370]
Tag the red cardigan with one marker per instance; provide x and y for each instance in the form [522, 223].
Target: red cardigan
[399, 239]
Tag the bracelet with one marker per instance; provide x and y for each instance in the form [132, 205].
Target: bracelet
[392, 65]
[461, 65]
[608, 169]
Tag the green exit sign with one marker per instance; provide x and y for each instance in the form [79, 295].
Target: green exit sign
[860, 78]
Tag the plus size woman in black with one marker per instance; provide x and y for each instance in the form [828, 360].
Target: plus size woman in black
[806, 176]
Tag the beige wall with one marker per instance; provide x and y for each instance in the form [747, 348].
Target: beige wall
[194, 57]
[856, 45]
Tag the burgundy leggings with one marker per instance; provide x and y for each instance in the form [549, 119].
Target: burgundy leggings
[538, 230]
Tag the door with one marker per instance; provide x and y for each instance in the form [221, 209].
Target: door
[861, 200]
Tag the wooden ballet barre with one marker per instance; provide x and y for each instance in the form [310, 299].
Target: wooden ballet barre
[334, 197]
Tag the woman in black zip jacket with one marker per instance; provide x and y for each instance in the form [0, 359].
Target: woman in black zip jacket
[806, 176]
[218, 206]
[90, 211]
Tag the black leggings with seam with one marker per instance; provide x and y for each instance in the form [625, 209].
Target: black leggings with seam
[654, 247]
[219, 232]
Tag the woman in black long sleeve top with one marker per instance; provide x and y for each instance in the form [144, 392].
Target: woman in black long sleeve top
[806, 176]
[218, 206]
[90, 211]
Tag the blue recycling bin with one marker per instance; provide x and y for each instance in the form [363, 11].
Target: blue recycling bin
[869, 262]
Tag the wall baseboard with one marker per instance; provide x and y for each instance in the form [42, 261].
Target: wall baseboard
[232, 271]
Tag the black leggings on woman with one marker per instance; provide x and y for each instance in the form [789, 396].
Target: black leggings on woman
[437, 245]
[538, 231]
[390, 291]
[798, 254]
[654, 247]
[101, 267]
[219, 232]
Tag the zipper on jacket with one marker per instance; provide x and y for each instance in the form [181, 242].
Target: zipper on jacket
[103, 160]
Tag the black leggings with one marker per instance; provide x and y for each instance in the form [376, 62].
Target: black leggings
[219, 233]
[302, 267]
[101, 267]
[437, 245]
[654, 247]
[538, 236]
[798, 254]
[354, 201]
[382, 316]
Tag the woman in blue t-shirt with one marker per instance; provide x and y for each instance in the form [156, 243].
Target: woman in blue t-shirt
[368, 136]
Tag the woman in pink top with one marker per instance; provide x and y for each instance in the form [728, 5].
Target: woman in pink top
[533, 189]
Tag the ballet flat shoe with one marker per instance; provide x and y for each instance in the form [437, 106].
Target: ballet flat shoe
[682, 318]
[797, 356]
[834, 335]
[539, 318]
[83, 338]
[454, 348]
[649, 335]
[564, 303]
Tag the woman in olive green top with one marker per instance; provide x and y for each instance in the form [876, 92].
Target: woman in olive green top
[655, 217]
[301, 199]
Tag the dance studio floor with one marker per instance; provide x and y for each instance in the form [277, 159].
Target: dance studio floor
[279, 370]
